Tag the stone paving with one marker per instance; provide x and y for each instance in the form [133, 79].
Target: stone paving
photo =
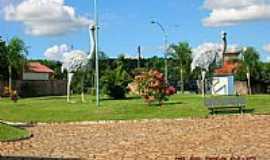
[223, 136]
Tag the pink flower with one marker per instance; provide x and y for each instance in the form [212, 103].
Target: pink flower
[170, 91]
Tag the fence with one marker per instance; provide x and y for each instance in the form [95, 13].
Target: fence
[37, 88]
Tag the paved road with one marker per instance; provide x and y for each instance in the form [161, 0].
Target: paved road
[222, 136]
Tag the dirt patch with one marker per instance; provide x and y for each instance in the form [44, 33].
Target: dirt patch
[223, 136]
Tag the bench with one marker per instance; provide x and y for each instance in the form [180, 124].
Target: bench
[221, 103]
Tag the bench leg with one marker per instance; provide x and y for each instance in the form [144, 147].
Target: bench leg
[212, 111]
[241, 110]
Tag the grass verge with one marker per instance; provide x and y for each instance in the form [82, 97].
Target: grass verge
[9, 133]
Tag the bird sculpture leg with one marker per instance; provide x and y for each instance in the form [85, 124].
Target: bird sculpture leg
[70, 75]
[82, 92]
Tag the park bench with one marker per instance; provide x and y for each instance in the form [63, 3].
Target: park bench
[224, 103]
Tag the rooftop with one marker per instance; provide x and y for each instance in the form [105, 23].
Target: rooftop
[37, 67]
[227, 69]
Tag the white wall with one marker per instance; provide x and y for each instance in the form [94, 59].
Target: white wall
[35, 76]
[223, 85]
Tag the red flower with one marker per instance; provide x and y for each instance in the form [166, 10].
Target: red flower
[170, 91]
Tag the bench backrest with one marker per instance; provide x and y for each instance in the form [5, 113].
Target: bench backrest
[224, 101]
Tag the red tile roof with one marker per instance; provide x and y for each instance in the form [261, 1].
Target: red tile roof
[228, 68]
[37, 67]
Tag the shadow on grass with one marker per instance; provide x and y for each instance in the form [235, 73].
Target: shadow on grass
[234, 111]
[165, 104]
[33, 158]
[173, 103]
[111, 99]
[53, 98]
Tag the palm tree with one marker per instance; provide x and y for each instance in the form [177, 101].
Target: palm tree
[182, 54]
[16, 55]
[251, 60]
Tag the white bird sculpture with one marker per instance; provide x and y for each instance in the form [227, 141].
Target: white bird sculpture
[73, 62]
[76, 60]
[209, 53]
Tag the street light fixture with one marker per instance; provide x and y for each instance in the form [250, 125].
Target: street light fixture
[165, 47]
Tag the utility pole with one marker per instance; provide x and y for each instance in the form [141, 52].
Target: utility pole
[139, 57]
[97, 50]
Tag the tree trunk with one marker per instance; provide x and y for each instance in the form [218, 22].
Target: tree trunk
[82, 92]
[249, 84]
[10, 80]
[182, 80]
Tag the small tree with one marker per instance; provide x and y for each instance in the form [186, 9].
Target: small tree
[115, 83]
[182, 54]
[153, 88]
[250, 66]
[15, 56]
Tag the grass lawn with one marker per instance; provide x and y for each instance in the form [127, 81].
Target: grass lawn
[55, 109]
[8, 133]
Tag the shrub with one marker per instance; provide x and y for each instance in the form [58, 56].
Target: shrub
[115, 83]
[153, 88]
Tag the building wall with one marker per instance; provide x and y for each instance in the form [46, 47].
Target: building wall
[35, 76]
[241, 87]
[223, 85]
[256, 88]
[37, 88]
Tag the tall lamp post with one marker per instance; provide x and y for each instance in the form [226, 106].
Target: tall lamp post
[165, 47]
[97, 50]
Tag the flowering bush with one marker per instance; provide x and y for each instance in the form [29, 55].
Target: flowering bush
[153, 88]
[14, 96]
[6, 91]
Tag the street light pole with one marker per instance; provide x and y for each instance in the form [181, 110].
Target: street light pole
[97, 50]
[165, 47]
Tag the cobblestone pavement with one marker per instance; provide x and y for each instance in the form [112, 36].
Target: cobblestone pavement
[223, 136]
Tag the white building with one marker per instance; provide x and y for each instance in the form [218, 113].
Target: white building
[37, 71]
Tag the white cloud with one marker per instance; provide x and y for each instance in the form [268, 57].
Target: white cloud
[267, 48]
[233, 12]
[57, 52]
[45, 17]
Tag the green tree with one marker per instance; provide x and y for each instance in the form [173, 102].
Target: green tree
[250, 64]
[155, 62]
[15, 55]
[116, 80]
[252, 61]
[3, 61]
[250, 67]
[182, 55]
[265, 71]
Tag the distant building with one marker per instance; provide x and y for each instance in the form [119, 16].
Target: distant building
[37, 71]
[223, 82]
[230, 65]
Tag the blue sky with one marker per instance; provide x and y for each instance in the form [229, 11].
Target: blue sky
[125, 24]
